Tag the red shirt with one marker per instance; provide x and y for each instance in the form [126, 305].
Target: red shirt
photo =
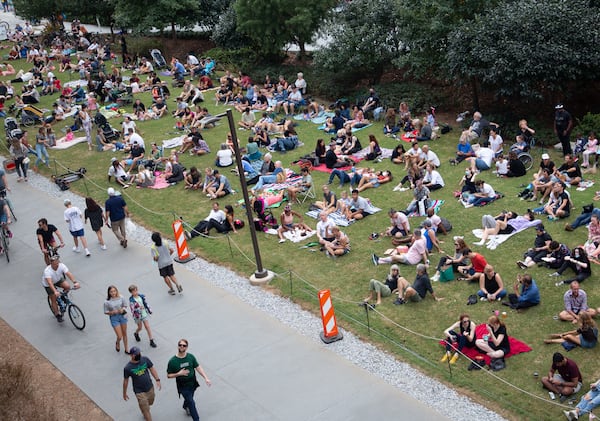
[478, 262]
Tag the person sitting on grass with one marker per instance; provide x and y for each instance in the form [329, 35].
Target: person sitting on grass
[329, 202]
[287, 223]
[193, 179]
[433, 180]
[117, 171]
[491, 286]
[135, 156]
[526, 293]
[379, 289]
[575, 302]
[358, 208]
[431, 237]
[484, 194]
[586, 405]
[495, 343]
[418, 290]
[447, 261]
[340, 244]
[560, 207]
[374, 180]
[579, 262]
[569, 171]
[586, 335]
[400, 227]
[416, 253]
[461, 333]
[482, 161]
[144, 177]
[564, 378]
[500, 224]
[472, 271]
[420, 196]
[220, 187]
[540, 249]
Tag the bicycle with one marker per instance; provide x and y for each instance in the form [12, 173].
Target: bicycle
[3, 195]
[4, 240]
[65, 305]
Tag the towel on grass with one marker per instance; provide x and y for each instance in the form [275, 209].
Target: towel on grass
[435, 204]
[354, 129]
[62, 144]
[519, 224]
[362, 154]
[339, 219]
[322, 118]
[174, 142]
[159, 183]
[516, 346]
[297, 235]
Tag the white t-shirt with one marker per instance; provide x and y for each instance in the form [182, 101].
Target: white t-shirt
[415, 152]
[127, 125]
[324, 228]
[135, 137]
[217, 215]
[433, 158]
[400, 220]
[486, 155]
[434, 178]
[74, 218]
[118, 173]
[502, 167]
[55, 276]
[225, 157]
[435, 221]
[488, 190]
[496, 144]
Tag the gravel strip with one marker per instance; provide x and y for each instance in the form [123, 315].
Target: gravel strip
[401, 375]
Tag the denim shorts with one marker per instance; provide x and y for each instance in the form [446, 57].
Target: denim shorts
[118, 319]
[78, 233]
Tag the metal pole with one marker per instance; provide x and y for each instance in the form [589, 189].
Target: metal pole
[260, 271]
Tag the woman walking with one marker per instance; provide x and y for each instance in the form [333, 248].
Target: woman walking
[161, 253]
[140, 311]
[115, 307]
[19, 152]
[95, 214]
[40, 149]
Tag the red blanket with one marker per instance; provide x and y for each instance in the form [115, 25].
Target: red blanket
[516, 346]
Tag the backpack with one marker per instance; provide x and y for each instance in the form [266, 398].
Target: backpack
[446, 224]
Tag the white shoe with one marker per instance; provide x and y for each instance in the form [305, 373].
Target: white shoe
[436, 277]
[87, 253]
[479, 243]
[468, 205]
[103, 247]
[404, 189]
[397, 188]
[282, 241]
[76, 249]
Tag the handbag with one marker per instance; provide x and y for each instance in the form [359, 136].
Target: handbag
[26, 160]
[447, 274]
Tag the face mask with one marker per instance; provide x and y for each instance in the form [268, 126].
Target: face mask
[137, 357]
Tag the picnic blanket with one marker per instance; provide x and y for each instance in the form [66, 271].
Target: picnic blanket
[362, 154]
[159, 183]
[339, 219]
[298, 235]
[409, 136]
[585, 185]
[435, 204]
[63, 144]
[173, 142]
[323, 168]
[321, 118]
[354, 129]
[516, 346]
[496, 240]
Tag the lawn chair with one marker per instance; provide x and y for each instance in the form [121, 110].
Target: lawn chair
[307, 194]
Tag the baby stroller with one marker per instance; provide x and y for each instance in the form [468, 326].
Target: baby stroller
[158, 58]
[10, 124]
[109, 133]
[31, 115]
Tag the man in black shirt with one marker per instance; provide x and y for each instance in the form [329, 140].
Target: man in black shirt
[563, 124]
[569, 171]
[331, 159]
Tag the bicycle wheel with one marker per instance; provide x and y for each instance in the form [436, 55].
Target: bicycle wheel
[5, 247]
[12, 210]
[77, 317]
[50, 305]
[5, 25]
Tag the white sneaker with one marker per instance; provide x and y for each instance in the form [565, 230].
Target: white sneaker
[479, 243]
[76, 249]
[404, 189]
[87, 253]
[397, 188]
[282, 241]
[436, 277]
[103, 247]
[468, 205]
[552, 395]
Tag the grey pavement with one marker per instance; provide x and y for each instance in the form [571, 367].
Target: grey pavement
[260, 368]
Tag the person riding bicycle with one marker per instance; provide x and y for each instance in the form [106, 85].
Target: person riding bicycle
[45, 235]
[55, 276]
[4, 219]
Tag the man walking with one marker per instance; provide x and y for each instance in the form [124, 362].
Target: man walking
[563, 124]
[116, 211]
[182, 367]
[139, 369]
[74, 218]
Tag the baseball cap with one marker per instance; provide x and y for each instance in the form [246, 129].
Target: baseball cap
[558, 107]
[110, 191]
[135, 350]
[66, 202]
[545, 156]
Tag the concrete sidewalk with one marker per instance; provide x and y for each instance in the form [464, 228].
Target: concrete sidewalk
[260, 369]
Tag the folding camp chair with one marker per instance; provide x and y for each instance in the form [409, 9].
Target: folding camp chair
[307, 194]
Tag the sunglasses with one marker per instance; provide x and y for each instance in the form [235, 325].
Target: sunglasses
[182, 345]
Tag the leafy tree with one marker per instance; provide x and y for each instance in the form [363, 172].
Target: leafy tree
[225, 33]
[273, 23]
[364, 37]
[144, 15]
[529, 48]
[53, 9]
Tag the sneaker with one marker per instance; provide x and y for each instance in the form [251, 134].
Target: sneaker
[137, 336]
[482, 299]
[171, 292]
[562, 398]
[87, 253]
[559, 283]
[479, 243]
[59, 318]
[179, 288]
[282, 241]
[552, 395]
[399, 301]
[402, 189]
[554, 274]
[375, 259]
[454, 359]
[436, 277]
[397, 188]
[124, 244]
[9, 233]
[76, 249]
[468, 205]
[568, 227]
[152, 343]
[521, 264]
[103, 247]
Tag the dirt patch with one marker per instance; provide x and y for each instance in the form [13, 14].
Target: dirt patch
[28, 394]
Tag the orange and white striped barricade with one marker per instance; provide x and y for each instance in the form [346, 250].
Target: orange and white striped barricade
[330, 331]
[183, 254]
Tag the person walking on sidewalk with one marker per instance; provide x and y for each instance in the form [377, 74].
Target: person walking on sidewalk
[140, 311]
[95, 214]
[115, 307]
[161, 253]
[139, 369]
[74, 218]
[116, 211]
[182, 367]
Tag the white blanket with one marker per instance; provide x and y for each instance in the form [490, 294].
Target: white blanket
[495, 240]
[298, 235]
[61, 144]
[173, 143]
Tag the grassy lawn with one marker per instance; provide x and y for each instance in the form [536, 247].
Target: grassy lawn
[348, 276]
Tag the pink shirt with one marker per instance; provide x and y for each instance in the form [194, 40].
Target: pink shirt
[415, 253]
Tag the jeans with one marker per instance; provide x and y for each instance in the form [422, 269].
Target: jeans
[265, 179]
[344, 178]
[480, 201]
[585, 218]
[42, 154]
[188, 402]
[21, 167]
[587, 405]
[461, 340]
[501, 294]
[285, 144]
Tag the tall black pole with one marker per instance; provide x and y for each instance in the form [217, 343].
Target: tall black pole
[260, 271]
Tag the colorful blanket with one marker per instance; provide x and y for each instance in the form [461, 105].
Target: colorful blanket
[435, 204]
[516, 346]
[339, 219]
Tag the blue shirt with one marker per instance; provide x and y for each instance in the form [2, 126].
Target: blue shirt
[531, 294]
[115, 206]
[466, 148]
[179, 67]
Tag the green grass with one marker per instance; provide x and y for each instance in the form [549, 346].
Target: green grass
[348, 276]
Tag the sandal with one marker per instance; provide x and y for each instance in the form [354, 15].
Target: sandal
[118, 346]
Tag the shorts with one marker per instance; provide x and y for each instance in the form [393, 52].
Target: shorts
[586, 343]
[3, 218]
[145, 399]
[128, 161]
[397, 230]
[118, 319]
[415, 298]
[488, 221]
[78, 233]
[481, 165]
[558, 377]
[166, 271]
[56, 285]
